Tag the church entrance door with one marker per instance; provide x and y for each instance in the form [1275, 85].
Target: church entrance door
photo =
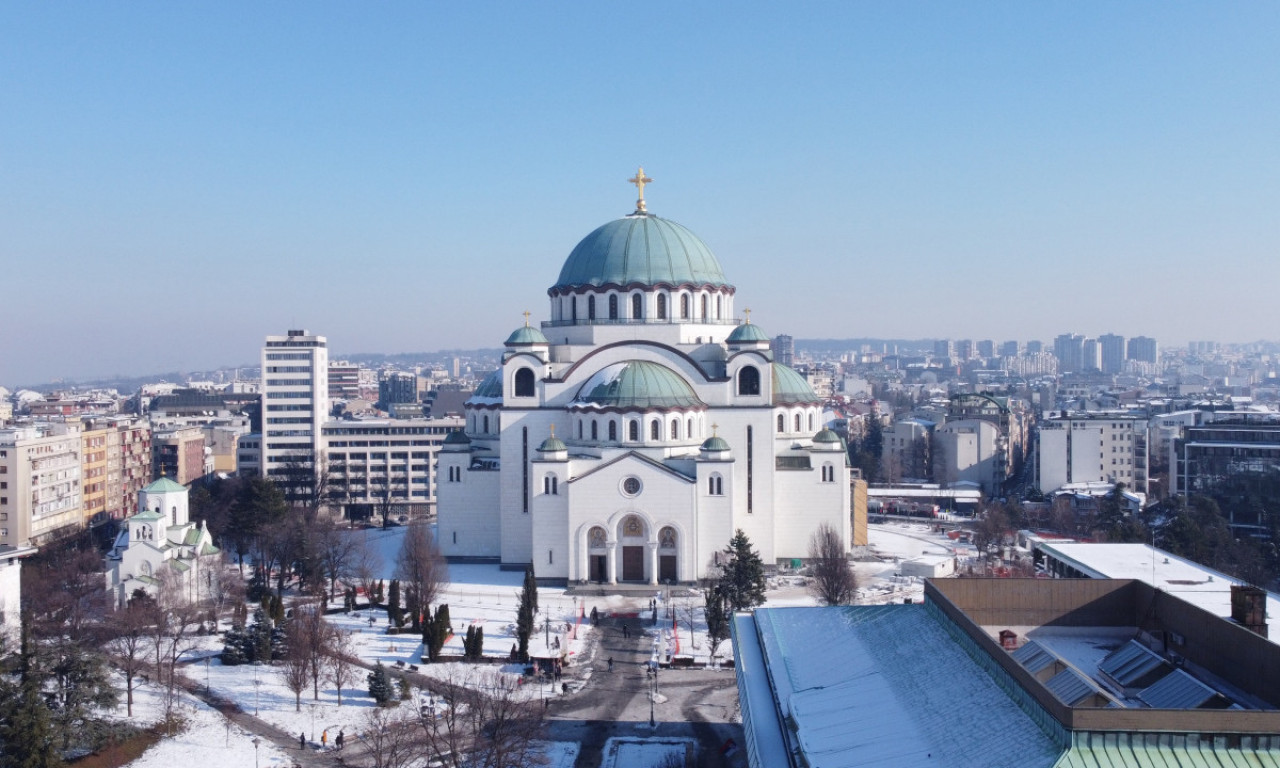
[633, 563]
[667, 568]
[599, 568]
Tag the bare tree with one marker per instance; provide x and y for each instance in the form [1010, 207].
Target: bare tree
[174, 632]
[316, 636]
[337, 551]
[832, 580]
[129, 632]
[342, 665]
[297, 666]
[388, 490]
[420, 566]
[482, 720]
[390, 738]
[990, 529]
[366, 566]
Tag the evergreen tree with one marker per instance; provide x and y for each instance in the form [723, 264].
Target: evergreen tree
[716, 615]
[413, 609]
[473, 643]
[742, 575]
[27, 738]
[394, 612]
[435, 631]
[380, 686]
[525, 613]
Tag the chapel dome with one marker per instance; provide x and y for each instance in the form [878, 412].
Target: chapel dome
[715, 443]
[525, 336]
[457, 437]
[790, 388]
[747, 333]
[641, 249]
[636, 384]
[826, 436]
[552, 444]
[489, 392]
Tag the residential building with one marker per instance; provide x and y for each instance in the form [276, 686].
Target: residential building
[344, 381]
[295, 398]
[1069, 349]
[383, 467]
[1230, 447]
[1144, 350]
[784, 350]
[1113, 351]
[11, 589]
[1009, 349]
[179, 454]
[1093, 447]
[906, 452]
[41, 494]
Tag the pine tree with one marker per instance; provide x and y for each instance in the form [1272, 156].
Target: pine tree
[26, 727]
[394, 613]
[531, 586]
[435, 631]
[742, 576]
[413, 609]
[380, 686]
[525, 613]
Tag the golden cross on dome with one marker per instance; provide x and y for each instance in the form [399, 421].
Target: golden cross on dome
[640, 180]
[553, 430]
[526, 318]
[747, 312]
[714, 429]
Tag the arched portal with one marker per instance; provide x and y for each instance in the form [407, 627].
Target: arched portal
[598, 555]
[668, 555]
[633, 535]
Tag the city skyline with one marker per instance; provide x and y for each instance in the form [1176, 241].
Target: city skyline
[179, 183]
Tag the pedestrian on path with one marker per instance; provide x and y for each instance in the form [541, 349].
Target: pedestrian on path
[610, 663]
[625, 631]
[302, 741]
[324, 739]
[341, 738]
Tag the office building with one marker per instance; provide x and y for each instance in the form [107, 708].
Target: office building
[295, 403]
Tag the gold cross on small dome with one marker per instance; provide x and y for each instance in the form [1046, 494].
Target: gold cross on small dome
[526, 318]
[640, 180]
[747, 312]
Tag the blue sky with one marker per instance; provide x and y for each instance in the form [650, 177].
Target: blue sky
[178, 180]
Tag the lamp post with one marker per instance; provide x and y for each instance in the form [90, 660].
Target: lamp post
[206, 675]
[311, 706]
[256, 742]
[257, 687]
[546, 638]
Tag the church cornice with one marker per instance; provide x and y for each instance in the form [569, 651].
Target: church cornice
[654, 463]
[579, 290]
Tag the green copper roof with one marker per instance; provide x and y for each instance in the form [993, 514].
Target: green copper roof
[525, 336]
[489, 392]
[715, 443]
[747, 332]
[457, 437]
[165, 485]
[826, 436]
[641, 249]
[637, 384]
[790, 387]
[552, 443]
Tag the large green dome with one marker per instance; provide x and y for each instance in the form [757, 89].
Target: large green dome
[636, 384]
[790, 388]
[641, 249]
[489, 392]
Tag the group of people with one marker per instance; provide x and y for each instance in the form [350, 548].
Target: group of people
[324, 740]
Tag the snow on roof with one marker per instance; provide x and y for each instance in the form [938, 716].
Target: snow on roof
[887, 685]
[1196, 584]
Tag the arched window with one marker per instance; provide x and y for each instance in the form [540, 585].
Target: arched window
[662, 306]
[633, 431]
[579, 429]
[637, 306]
[675, 429]
[595, 430]
[613, 306]
[613, 431]
[573, 307]
[782, 423]
[688, 428]
[551, 485]
[811, 422]
[797, 422]
[749, 381]
[704, 306]
[486, 425]
[655, 430]
[718, 313]
[524, 382]
[471, 423]
[684, 306]
[715, 485]
[828, 473]
[591, 307]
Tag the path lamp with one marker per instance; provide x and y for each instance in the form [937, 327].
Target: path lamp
[257, 687]
[311, 706]
[206, 675]
[256, 742]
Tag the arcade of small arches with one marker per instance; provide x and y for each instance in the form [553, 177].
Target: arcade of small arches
[629, 550]
[705, 305]
[644, 429]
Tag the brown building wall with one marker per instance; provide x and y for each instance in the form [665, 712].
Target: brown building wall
[858, 512]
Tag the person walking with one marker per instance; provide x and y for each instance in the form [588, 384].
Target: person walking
[302, 741]
[324, 739]
[610, 663]
[341, 738]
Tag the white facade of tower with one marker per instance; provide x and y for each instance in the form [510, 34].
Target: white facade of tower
[295, 402]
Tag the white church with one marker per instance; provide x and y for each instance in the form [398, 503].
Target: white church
[161, 551]
[628, 439]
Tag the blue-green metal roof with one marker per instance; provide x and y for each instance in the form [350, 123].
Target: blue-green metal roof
[636, 384]
[457, 437]
[641, 249]
[790, 388]
[165, 485]
[525, 336]
[715, 443]
[826, 436]
[489, 392]
[552, 443]
[746, 333]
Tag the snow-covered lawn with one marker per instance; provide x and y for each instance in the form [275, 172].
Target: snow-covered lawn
[624, 752]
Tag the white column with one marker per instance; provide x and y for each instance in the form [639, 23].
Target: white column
[652, 547]
[611, 560]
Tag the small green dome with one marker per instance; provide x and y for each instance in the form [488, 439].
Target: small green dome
[636, 384]
[790, 388]
[640, 249]
[525, 336]
[715, 443]
[826, 436]
[747, 333]
[165, 485]
[457, 437]
[489, 392]
[552, 444]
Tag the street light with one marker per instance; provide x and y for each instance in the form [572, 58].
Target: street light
[256, 741]
[256, 687]
[206, 675]
[311, 706]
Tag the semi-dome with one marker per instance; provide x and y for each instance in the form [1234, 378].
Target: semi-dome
[790, 388]
[641, 249]
[489, 392]
[552, 444]
[636, 384]
[715, 443]
[747, 333]
[525, 336]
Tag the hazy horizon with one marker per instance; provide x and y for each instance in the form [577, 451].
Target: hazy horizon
[179, 181]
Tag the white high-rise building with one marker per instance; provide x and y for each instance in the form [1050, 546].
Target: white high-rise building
[295, 402]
